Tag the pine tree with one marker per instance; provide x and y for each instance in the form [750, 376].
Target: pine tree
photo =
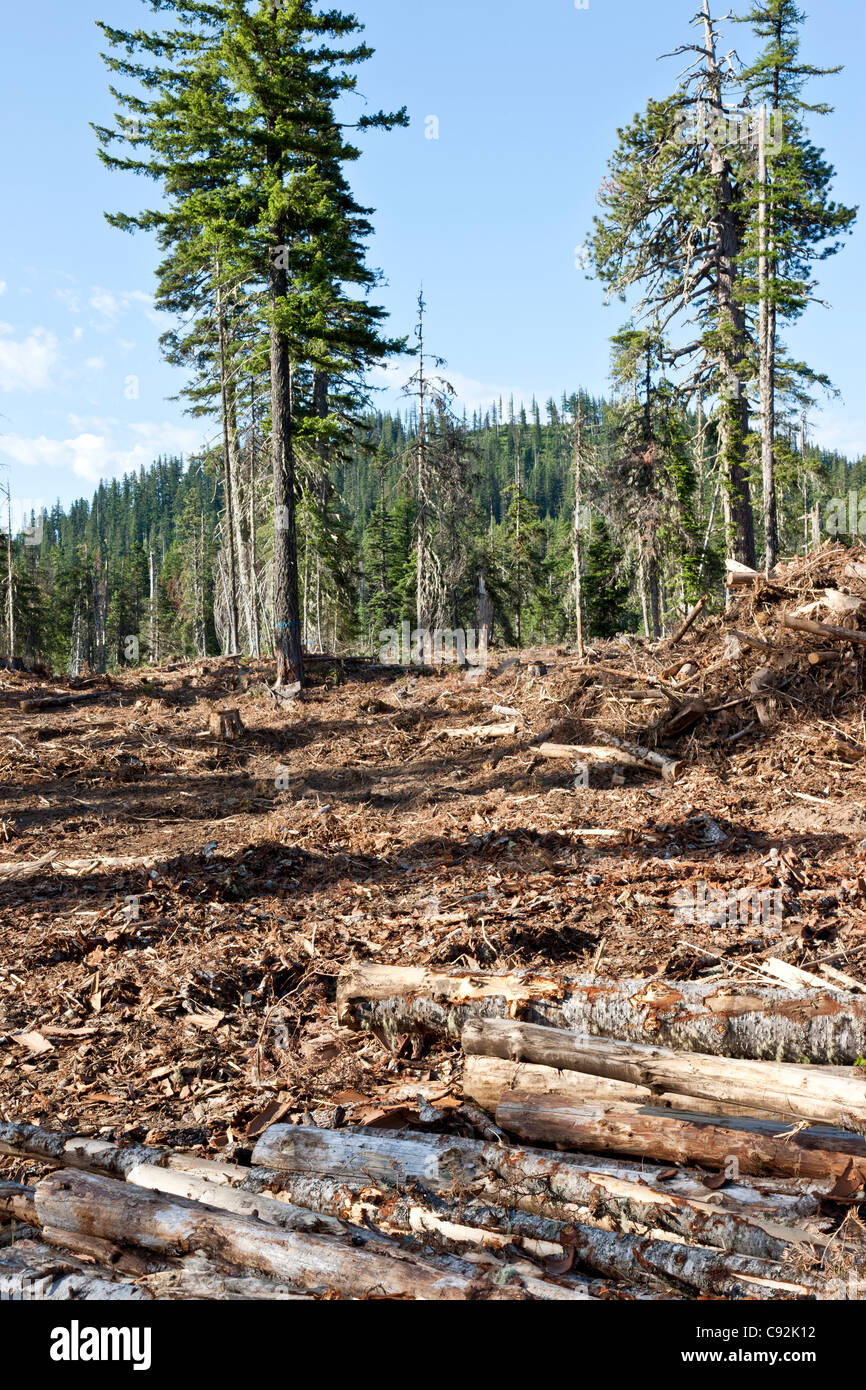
[670, 225]
[607, 587]
[793, 222]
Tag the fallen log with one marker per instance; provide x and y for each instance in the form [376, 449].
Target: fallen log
[30, 1271]
[457, 1223]
[675, 1139]
[670, 768]
[739, 575]
[482, 731]
[706, 1016]
[691, 618]
[530, 1180]
[828, 630]
[84, 1203]
[822, 1095]
[195, 1278]
[160, 1170]
[62, 700]
[19, 869]
[254, 1192]
[587, 753]
[690, 1268]
[485, 1079]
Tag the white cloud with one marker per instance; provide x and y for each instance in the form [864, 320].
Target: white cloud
[93, 455]
[3, 287]
[833, 429]
[111, 304]
[95, 364]
[27, 364]
[470, 393]
[71, 299]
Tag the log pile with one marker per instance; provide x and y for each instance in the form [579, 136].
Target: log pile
[360, 1214]
[780, 1141]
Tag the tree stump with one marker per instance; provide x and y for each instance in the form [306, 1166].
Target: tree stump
[226, 725]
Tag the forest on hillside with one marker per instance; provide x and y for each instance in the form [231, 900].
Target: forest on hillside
[137, 574]
[313, 520]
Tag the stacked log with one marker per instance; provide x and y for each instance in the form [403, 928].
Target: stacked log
[328, 1213]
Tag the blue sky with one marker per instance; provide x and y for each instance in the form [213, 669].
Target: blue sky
[489, 216]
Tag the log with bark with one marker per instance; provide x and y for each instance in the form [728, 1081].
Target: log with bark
[679, 1138]
[74, 1202]
[161, 1170]
[828, 630]
[689, 620]
[62, 700]
[322, 1206]
[705, 1016]
[485, 1079]
[587, 753]
[670, 768]
[827, 1095]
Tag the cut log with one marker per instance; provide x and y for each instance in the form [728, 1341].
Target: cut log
[587, 753]
[486, 1079]
[822, 1095]
[695, 1015]
[482, 731]
[670, 768]
[226, 1186]
[458, 1223]
[197, 1279]
[739, 575]
[60, 701]
[85, 1203]
[674, 1139]
[691, 618]
[828, 630]
[690, 1267]
[256, 1192]
[530, 1180]
[20, 869]
[17, 1203]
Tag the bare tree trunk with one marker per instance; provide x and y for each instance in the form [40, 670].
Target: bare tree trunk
[255, 635]
[767, 344]
[734, 407]
[228, 482]
[287, 617]
[154, 611]
[577, 557]
[10, 586]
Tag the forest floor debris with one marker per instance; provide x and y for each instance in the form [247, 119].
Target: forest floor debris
[176, 906]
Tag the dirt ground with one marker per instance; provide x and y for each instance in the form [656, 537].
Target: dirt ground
[189, 1001]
